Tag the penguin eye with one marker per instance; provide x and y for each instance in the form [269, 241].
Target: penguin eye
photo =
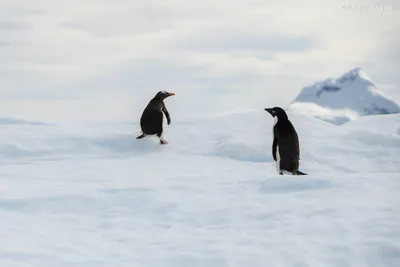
[273, 111]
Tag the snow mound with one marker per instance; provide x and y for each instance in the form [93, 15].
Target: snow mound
[344, 98]
[241, 152]
[40, 143]
[18, 121]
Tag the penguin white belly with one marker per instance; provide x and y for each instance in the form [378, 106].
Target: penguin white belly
[278, 160]
[278, 156]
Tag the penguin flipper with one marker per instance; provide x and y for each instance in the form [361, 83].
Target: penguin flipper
[274, 148]
[166, 113]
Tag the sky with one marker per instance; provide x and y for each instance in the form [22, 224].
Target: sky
[103, 60]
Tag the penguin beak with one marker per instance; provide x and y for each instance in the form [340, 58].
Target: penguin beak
[269, 111]
[171, 94]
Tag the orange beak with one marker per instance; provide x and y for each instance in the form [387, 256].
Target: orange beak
[171, 94]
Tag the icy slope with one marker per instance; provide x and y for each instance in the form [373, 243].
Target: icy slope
[344, 98]
[94, 196]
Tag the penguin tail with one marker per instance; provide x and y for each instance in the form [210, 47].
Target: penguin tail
[297, 172]
[140, 136]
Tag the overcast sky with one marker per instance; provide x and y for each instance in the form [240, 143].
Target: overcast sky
[104, 59]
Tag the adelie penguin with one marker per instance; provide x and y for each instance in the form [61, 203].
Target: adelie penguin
[151, 121]
[285, 145]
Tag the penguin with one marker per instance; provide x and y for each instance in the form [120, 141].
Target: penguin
[151, 121]
[285, 145]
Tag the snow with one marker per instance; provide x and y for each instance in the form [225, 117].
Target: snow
[93, 195]
[344, 98]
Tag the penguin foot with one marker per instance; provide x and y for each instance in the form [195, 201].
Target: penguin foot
[163, 142]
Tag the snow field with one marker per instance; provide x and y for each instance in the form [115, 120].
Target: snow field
[95, 196]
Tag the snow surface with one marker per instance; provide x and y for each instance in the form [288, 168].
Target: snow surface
[93, 195]
[341, 99]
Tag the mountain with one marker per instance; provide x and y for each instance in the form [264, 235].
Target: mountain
[340, 99]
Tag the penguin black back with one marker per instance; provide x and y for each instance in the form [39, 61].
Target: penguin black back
[151, 121]
[285, 147]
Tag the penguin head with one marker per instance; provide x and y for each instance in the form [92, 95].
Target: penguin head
[161, 95]
[277, 112]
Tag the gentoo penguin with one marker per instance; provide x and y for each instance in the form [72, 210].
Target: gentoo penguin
[285, 145]
[151, 121]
